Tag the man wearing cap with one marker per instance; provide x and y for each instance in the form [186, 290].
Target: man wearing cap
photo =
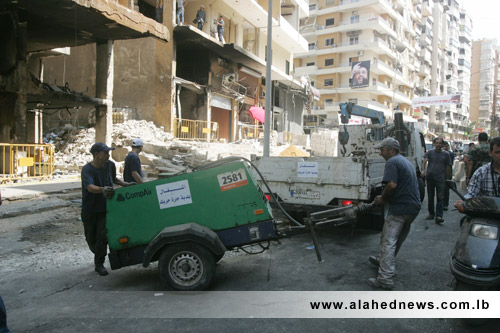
[436, 169]
[98, 177]
[133, 168]
[401, 200]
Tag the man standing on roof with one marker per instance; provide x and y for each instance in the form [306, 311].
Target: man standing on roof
[133, 168]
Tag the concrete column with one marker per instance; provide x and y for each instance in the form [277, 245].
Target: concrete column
[239, 35]
[234, 120]
[104, 91]
[209, 110]
[33, 134]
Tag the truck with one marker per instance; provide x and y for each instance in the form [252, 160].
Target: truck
[188, 221]
[304, 185]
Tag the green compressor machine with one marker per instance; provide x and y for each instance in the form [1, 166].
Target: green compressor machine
[187, 222]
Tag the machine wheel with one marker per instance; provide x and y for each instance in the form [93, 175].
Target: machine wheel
[186, 266]
[462, 286]
[421, 188]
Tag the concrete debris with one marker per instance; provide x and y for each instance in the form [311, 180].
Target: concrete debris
[162, 152]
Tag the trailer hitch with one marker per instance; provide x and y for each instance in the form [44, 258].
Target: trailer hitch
[337, 216]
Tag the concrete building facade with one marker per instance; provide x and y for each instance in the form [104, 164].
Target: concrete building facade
[198, 86]
[413, 49]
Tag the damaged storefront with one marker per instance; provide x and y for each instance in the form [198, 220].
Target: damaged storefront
[217, 85]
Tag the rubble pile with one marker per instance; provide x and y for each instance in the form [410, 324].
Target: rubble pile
[162, 152]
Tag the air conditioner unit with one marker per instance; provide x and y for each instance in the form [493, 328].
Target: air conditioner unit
[229, 79]
[355, 12]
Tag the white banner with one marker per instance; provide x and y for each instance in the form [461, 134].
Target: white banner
[288, 304]
[436, 100]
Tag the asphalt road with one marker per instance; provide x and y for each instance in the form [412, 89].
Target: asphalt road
[48, 283]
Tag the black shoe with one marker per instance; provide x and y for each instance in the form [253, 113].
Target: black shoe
[445, 208]
[439, 220]
[377, 284]
[430, 217]
[101, 270]
[374, 261]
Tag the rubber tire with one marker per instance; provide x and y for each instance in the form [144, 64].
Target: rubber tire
[421, 188]
[217, 258]
[462, 286]
[192, 254]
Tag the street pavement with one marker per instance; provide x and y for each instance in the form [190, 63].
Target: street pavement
[34, 189]
[72, 297]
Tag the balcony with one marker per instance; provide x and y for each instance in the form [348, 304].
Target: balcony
[284, 34]
[427, 7]
[306, 70]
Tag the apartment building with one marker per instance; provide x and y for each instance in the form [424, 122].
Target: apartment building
[199, 87]
[484, 83]
[381, 34]
[412, 48]
[464, 76]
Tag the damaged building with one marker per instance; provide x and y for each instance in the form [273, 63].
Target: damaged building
[196, 86]
[34, 31]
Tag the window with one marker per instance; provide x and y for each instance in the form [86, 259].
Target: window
[287, 67]
[312, 83]
[329, 2]
[312, 6]
[310, 64]
[312, 46]
[354, 19]
[352, 59]
[329, 22]
[328, 83]
[329, 62]
[353, 100]
[328, 102]
[329, 42]
[353, 40]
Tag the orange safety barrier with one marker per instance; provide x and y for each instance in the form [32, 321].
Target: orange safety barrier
[23, 161]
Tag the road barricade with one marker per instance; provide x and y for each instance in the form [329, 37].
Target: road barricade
[24, 161]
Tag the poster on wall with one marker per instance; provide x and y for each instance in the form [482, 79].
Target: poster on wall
[360, 74]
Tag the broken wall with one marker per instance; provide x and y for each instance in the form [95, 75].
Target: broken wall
[142, 79]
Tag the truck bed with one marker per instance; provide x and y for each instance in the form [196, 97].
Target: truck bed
[319, 180]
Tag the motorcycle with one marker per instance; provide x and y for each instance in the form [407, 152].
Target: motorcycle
[475, 259]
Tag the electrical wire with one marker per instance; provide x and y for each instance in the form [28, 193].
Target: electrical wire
[239, 158]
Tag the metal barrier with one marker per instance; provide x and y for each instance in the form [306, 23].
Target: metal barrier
[24, 161]
[288, 137]
[250, 131]
[187, 129]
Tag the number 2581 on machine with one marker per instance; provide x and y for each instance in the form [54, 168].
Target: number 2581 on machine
[232, 179]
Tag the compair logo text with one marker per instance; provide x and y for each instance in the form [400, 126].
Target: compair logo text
[133, 195]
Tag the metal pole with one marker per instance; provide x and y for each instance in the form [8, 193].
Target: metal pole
[494, 113]
[269, 55]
